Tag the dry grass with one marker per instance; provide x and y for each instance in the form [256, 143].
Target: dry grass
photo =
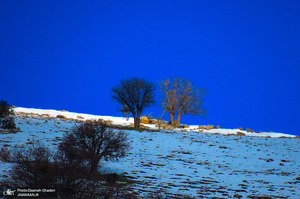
[249, 130]
[141, 126]
[184, 126]
[208, 126]
[148, 120]
[240, 133]
[61, 116]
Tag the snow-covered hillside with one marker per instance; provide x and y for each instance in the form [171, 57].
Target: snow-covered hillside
[123, 121]
[198, 163]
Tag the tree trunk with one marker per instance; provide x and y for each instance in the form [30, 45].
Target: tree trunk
[94, 164]
[172, 119]
[177, 121]
[137, 119]
[137, 122]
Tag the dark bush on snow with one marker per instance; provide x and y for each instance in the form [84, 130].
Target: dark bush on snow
[5, 109]
[90, 142]
[33, 167]
[36, 167]
[68, 171]
[8, 123]
[4, 154]
[6, 120]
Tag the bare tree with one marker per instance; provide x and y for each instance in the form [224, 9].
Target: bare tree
[32, 166]
[136, 94]
[181, 97]
[35, 166]
[91, 141]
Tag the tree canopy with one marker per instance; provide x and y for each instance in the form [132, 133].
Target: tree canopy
[136, 94]
[180, 96]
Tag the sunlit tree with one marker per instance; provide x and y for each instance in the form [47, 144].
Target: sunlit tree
[179, 97]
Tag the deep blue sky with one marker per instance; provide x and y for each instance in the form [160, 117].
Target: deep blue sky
[68, 54]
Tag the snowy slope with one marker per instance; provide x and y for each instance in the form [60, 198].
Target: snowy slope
[123, 121]
[185, 162]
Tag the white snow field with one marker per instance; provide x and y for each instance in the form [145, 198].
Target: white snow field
[198, 163]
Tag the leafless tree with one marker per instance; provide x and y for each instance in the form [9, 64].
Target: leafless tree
[136, 94]
[92, 141]
[32, 166]
[35, 166]
[180, 96]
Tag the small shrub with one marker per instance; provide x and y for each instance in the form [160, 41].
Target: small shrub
[240, 133]
[249, 130]
[32, 166]
[8, 123]
[109, 122]
[169, 127]
[149, 119]
[158, 121]
[145, 120]
[111, 178]
[209, 126]
[5, 154]
[6, 120]
[184, 126]
[5, 109]
[61, 116]
[201, 126]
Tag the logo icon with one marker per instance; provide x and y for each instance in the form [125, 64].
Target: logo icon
[9, 192]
